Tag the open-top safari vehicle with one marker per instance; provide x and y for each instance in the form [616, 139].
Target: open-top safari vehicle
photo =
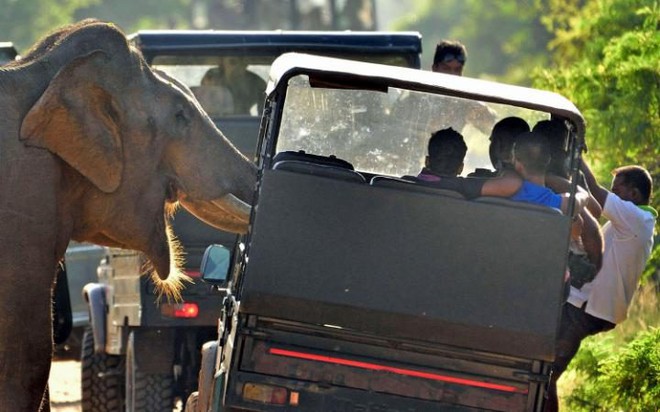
[357, 290]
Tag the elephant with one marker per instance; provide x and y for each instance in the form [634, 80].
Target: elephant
[96, 146]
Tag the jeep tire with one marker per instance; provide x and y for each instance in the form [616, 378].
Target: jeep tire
[101, 379]
[146, 392]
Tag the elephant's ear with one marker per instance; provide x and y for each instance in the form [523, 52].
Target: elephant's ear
[77, 119]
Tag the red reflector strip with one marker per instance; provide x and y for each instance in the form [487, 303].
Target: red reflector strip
[400, 371]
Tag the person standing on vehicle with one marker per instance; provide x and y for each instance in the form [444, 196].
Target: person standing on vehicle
[423, 112]
[600, 305]
[450, 57]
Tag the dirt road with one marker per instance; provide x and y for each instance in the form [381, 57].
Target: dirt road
[64, 386]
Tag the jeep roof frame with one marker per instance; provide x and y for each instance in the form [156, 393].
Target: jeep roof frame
[278, 42]
[379, 76]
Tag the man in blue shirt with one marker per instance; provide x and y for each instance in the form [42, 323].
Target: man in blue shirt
[530, 160]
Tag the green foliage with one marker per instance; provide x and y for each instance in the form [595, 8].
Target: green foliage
[608, 63]
[132, 15]
[504, 38]
[604, 361]
[621, 380]
[23, 22]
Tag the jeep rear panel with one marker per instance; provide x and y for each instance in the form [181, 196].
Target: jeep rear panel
[395, 264]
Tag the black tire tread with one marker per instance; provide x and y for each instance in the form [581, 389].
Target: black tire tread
[153, 392]
[99, 394]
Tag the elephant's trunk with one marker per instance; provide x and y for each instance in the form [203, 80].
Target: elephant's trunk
[219, 191]
[167, 273]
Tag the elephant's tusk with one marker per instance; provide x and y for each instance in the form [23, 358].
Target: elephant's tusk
[226, 213]
[231, 202]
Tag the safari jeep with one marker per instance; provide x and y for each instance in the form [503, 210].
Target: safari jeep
[356, 290]
[140, 353]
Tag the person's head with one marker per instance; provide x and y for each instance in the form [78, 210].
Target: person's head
[446, 152]
[632, 183]
[212, 77]
[530, 154]
[228, 68]
[556, 134]
[450, 57]
[502, 138]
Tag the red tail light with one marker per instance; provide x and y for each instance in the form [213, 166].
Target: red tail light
[179, 310]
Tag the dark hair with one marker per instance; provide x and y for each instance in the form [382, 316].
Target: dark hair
[555, 132]
[636, 177]
[446, 151]
[502, 138]
[445, 47]
[530, 149]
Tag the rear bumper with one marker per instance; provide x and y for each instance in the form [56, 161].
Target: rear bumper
[349, 372]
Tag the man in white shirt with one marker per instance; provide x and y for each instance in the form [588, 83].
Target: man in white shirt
[601, 304]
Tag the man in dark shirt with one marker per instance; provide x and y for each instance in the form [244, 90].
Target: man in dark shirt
[446, 152]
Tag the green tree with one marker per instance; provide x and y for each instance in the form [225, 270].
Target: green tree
[607, 61]
[504, 38]
[133, 15]
[22, 22]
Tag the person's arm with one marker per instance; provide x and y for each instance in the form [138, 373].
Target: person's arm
[505, 185]
[560, 185]
[598, 191]
[592, 238]
[581, 200]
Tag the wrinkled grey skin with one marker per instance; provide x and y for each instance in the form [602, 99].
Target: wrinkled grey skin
[95, 146]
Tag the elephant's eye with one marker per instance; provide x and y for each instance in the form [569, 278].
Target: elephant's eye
[181, 118]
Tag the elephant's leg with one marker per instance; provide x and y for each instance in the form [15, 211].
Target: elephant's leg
[25, 341]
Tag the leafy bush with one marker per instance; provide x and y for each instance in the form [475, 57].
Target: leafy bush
[618, 370]
[624, 380]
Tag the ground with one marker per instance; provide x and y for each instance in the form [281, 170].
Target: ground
[65, 386]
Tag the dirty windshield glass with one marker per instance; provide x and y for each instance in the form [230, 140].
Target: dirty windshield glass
[224, 85]
[386, 132]
[233, 85]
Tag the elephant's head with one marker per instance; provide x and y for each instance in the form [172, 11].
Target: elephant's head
[133, 144]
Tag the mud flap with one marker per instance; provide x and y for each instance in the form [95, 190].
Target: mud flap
[218, 393]
[94, 294]
[154, 350]
[62, 316]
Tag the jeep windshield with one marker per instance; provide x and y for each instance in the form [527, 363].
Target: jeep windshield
[381, 124]
[228, 70]
[233, 84]
[386, 132]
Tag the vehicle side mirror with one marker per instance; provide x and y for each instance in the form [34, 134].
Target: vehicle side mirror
[215, 265]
